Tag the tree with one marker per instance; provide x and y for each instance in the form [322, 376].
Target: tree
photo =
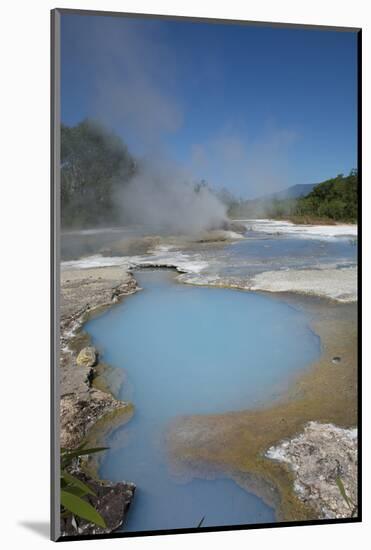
[336, 199]
[93, 162]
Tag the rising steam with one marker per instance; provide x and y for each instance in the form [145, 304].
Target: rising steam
[160, 198]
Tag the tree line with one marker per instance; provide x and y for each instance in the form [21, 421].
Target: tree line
[334, 200]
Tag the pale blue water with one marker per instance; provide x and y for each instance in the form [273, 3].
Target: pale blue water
[188, 350]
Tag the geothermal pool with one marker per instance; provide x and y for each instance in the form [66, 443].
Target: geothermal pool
[190, 350]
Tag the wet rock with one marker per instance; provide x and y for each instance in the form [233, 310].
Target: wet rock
[237, 227]
[87, 357]
[319, 457]
[83, 289]
[79, 412]
[131, 246]
[112, 501]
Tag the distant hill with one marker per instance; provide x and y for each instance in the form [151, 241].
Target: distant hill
[293, 192]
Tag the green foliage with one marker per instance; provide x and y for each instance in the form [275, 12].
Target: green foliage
[73, 490]
[334, 200]
[67, 455]
[340, 484]
[68, 479]
[79, 507]
[94, 162]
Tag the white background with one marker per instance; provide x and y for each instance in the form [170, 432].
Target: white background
[24, 202]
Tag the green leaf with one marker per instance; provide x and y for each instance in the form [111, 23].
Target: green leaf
[201, 522]
[81, 508]
[72, 480]
[340, 484]
[80, 452]
[75, 491]
[68, 456]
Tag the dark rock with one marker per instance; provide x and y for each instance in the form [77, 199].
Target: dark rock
[112, 501]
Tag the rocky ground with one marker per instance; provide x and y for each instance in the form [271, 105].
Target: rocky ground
[334, 283]
[323, 459]
[82, 405]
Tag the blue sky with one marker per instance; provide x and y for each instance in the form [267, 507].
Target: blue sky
[253, 109]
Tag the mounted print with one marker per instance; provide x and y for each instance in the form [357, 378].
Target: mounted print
[205, 201]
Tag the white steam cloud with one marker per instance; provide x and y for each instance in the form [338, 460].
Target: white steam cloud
[164, 201]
